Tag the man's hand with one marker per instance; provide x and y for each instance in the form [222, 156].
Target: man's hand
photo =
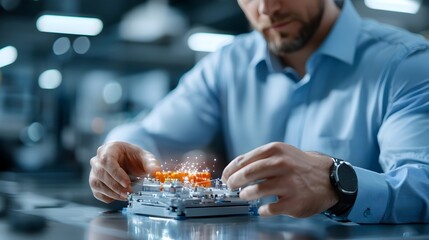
[110, 169]
[299, 179]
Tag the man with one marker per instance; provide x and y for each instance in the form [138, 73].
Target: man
[313, 84]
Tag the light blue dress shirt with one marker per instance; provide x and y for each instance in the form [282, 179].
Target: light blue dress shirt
[364, 99]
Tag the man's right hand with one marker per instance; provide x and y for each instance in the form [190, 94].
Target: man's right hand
[114, 163]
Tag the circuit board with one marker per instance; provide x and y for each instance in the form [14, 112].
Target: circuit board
[186, 195]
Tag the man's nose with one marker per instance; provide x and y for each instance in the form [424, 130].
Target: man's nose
[269, 7]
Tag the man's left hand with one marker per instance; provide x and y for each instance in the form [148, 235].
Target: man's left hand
[299, 179]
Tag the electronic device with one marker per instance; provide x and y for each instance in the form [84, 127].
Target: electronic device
[184, 195]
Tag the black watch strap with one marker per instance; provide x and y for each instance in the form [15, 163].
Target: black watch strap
[346, 197]
[342, 206]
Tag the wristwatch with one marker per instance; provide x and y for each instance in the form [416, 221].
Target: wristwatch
[344, 180]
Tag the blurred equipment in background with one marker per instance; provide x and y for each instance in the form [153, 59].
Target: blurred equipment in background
[89, 68]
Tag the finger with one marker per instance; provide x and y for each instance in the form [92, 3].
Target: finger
[105, 190]
[231, 168]
[103, 197]
[261, 152]
[269, 187]
[115, 171]
[101, 191]
[139, 161]
[271, 209]
[99, 174]
[262, 169]
[150, 164]
[236, 165]
[254, 155]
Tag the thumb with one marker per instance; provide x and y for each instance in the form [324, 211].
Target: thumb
[138, 162]
[150, 164]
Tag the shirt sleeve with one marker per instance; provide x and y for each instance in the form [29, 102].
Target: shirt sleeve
[401, 193]
[186, 119]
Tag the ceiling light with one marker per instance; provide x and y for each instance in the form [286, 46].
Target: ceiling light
[50, 79]
[152, 21]
[9, 5]
[112, 93]
[81, 45]
[8, 55]
[61, 46]
[208, 42]
[404, 6]
[69, 25]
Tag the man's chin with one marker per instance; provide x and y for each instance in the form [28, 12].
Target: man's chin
[285, 46]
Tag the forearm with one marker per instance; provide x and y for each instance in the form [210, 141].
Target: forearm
[184, 120]
[133, 133]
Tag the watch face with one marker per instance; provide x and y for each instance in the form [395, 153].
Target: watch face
[347, 178]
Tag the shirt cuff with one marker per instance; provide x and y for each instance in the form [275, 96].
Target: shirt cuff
[372, 197]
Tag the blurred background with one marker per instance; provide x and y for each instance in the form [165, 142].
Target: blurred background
[62, 87]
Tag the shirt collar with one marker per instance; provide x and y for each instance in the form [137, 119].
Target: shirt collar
[263, 58]
[342, 40]
[261, 49]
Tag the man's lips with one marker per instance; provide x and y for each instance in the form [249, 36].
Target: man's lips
[281, 25]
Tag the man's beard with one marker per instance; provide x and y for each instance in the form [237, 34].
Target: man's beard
[283, 43]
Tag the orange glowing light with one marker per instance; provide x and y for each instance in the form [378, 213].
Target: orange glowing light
[201, 179]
